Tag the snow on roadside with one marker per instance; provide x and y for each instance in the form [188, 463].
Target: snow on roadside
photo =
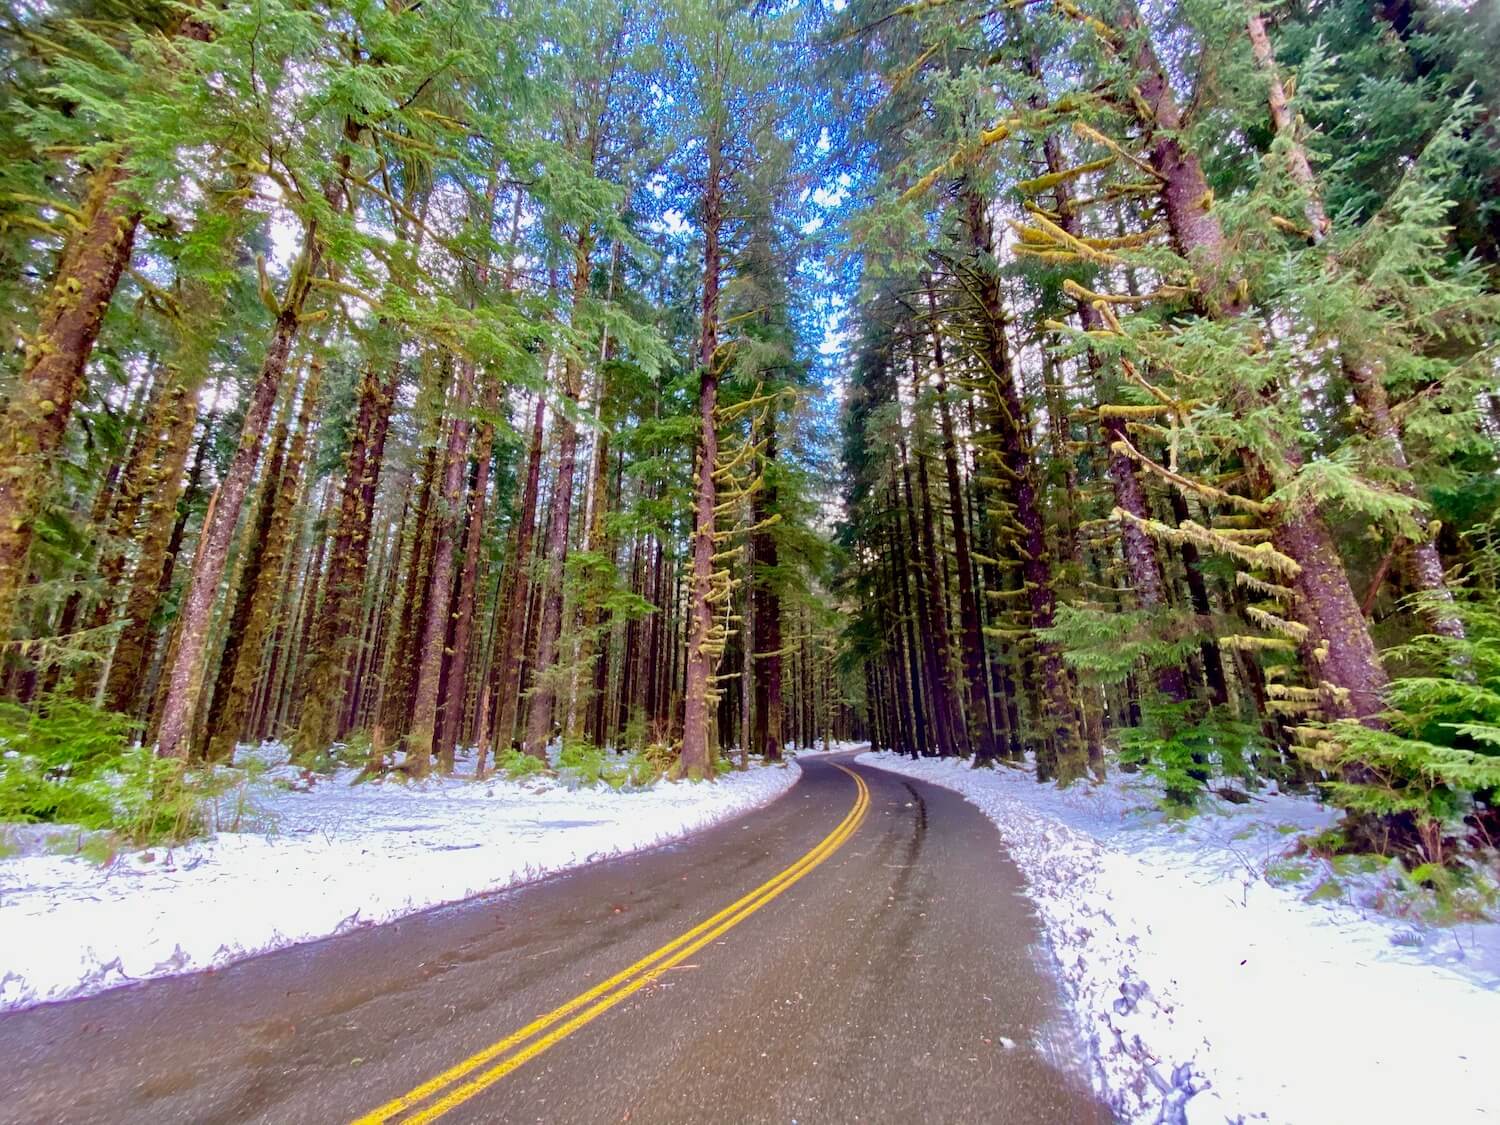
[1209, 994]
[325, 861]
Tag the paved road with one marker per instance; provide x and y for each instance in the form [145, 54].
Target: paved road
[897, 979]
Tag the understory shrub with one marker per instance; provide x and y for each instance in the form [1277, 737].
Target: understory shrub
[641, 768]
[517, 765]
[351, 752]
[1430, 778]
[1183, 752]
[587, 764]
[582, 761]
[659, 756]
[68, 762]
[1179, 744]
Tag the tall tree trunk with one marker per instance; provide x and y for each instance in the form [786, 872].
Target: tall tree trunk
[242, 586]
[163, 485]
[766, 616]
[971, 637]
[933, 569]
[1325, 603]
[588, 653]
[656, 626]
[630, 649]
[595, 539]
[308, 615]
[140, 478]
[1147, 578]
[905, 615]
[325, 682]
[697, 755]
[393, 705]
[260, 585]
[1065, 757]
[1213, 661]
[599, 726]
[516, 593]
[363, 687]
[543, 697]
[51, 376]
[528, 646]
[1424, 567]
[185, 677]
[440, 582]
[931, 615]
[468, 583]
[1002, 683]
[138, 444]
[157, 646]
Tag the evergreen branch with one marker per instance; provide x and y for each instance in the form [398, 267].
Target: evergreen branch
[1089, 133]
[1187, 484]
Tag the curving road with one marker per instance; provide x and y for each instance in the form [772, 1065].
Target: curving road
[857, 951]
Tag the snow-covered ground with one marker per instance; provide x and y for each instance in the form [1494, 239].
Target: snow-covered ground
[1219, 979]
[309, 864]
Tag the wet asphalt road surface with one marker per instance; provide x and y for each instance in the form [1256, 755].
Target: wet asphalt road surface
[902, 980]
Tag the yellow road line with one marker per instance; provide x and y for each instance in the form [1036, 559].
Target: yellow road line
[608, 993]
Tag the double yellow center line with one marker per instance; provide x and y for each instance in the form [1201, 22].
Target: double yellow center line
[483, 1069]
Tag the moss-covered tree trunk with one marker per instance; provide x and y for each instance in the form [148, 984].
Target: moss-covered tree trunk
[697, 754]
[765, 558]
[326, 680]
[1424, 567]
[468, 586]
[1064, 756]
[162, 486]
[51, 375]
[138, 445]
[443, 524]
[185, 675]
[543, 699]
[139, 481]
[393, 706]
[260, 584]
[1338, 650]
[312, 597]
[157, 646]
[516, 593]
[590, 652]
[980, 712]
[364, 686]
[1142, 563]
[242, 585]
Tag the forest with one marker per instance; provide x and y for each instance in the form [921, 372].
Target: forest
[1074, 385]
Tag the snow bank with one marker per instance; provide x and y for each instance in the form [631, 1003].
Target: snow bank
[1208, 993]
[324, 861]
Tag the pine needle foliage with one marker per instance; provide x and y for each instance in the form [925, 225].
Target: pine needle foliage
[1434, 768]
[1184, 750]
